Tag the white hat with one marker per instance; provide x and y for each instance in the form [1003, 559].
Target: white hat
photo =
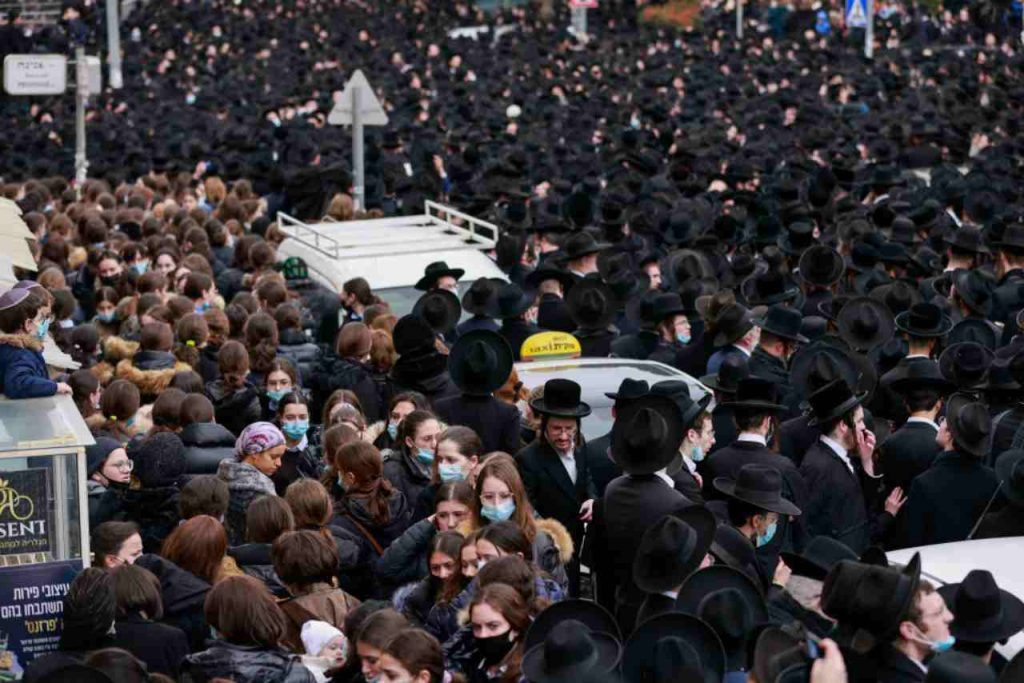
[316, 635]
[513, 111]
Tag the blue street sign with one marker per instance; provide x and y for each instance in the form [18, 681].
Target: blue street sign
[856, 13]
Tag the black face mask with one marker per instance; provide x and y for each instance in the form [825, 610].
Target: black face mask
[110, 280]
[494, 648]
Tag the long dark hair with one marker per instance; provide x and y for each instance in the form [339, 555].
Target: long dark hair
[365, 463]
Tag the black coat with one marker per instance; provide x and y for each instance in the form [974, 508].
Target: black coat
[947, 501]
[254, 559]
[908, 452]
[1007, 298]
[352, 516]
[727, 463]
[301, 351]
[549, 488]
[553, 314]
[767, 366]
[638, 346]
[1005, 426]
[206, 444]
[655, 604]
[405, 475]
[795, 437]
[297, 463]
[494, 421]
[208, 367]
[236, 410]
[244, 665]
[161, 647]
[725, 427]
[183, 596]
[602, 468]
[596, 343]
[842, 504]
[332, 373]
[1002, 524]
[630, 505]
[516, 331]
[896, 667]
[688, 485]
[155, 510]
[426, 373]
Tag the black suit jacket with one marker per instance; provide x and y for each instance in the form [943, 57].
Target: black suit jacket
[767, 366]
[516, 332]
[947, 501]
[631, 504]
[1002, 524]
[796, 436]
[654, 604]
[724, 425]
[727, 463]
[551, 491]
[1005, 427]
[896, 667]
[494, 421]
[596, 343]
[908, 452]
[553, 314]
[842, 504]
[602, 468]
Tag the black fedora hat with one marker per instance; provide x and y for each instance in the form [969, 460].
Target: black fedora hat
[959, 667]
[479, 298]
[898, 296]
[865, 323]
[975, 290]
[925, 320]
[974, 330]
[769, 287]
[674, 647]
[730, 372]
[1012, 237]
[783, 322]
[480, 362]
[663, 305]
[815, 365]
[780, 655]
[821, 265]
[679, 391]
[919, 373]
[672, 549]
[511, 301]
[966, 364]
[561, 398]
[756, 393]
[797, 238]
[732, 548]
[586, 612]
[569, 648]
[440, 309]
[629, 389]
[580, 244]
[966, 238]
[971, 427]
[435, 270]
[646, 434]
[982, 611]
[550, 271]
[904, 231]
[760, 486]
[1010, 471]
[833, 400]
[818, 557]
[592, 304]
[730, 603]
[870, 599]
[733, 322]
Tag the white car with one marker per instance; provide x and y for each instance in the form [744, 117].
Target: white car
[596, 376]
[392, 253]
[951, 562]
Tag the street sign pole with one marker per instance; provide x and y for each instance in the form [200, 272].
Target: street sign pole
[81, 95]
[359, 191]
[579, 21]
[869, 31]
[114, 44]
[739, 19]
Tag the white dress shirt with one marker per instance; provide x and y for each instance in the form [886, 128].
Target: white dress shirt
[569, 463]
[924, 421]
[751, 437]
[840, 452]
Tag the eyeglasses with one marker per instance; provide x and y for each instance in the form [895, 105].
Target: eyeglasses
[123, 466]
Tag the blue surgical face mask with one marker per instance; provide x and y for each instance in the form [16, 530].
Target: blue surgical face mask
[107, 317]
[425, 456]
[42, 329]
[682, 338]
[936, 646]
[499, 512]
[696, 454]
[190, 98]
[295, 430]
[276, 395]
[203, 307]
[392, 430]
[769, 534]
[141, 267]
[451, 472]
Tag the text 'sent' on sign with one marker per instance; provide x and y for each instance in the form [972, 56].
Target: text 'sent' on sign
[35, 74]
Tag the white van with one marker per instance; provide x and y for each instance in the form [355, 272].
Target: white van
[392, 253]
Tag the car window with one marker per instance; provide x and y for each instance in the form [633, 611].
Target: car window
[402, 299]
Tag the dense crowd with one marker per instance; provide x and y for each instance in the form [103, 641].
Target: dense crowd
[296, 484]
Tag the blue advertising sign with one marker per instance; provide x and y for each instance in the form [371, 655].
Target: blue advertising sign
[856, 13]
[31, 606]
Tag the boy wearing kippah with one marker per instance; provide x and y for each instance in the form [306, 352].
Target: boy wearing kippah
[24, 322]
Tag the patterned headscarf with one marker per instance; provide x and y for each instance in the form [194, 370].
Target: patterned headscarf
[257, 438]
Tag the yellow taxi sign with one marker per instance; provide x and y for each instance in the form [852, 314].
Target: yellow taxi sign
[550, 346]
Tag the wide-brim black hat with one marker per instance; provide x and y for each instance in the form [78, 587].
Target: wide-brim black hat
[589, 613]
[966, 364]
[870, 599]
[1010, 470]
[982, 612]
[782, 322]
[570, 651]
[629, 389]
[759, 486]
[511, 302]
[672, 549]
[766, 289]
[821, 265]
[646, 434]
[730, 372]
[967, 239]
[917, 373]
[480, 362]
[974, 330]
[436, 270]
[440, 309]
[815, 365]
[734, 322]
[581, 244]
[819, 556]
[591, 304]
[924, 320]
[833, 400]
[975, 290]
[479, 298]
[663, 647]
[971, 427]
[549, 271]
[561, 398]
[865, 323]
[755, 393]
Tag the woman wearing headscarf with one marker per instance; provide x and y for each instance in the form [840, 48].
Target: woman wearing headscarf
[258, 454]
